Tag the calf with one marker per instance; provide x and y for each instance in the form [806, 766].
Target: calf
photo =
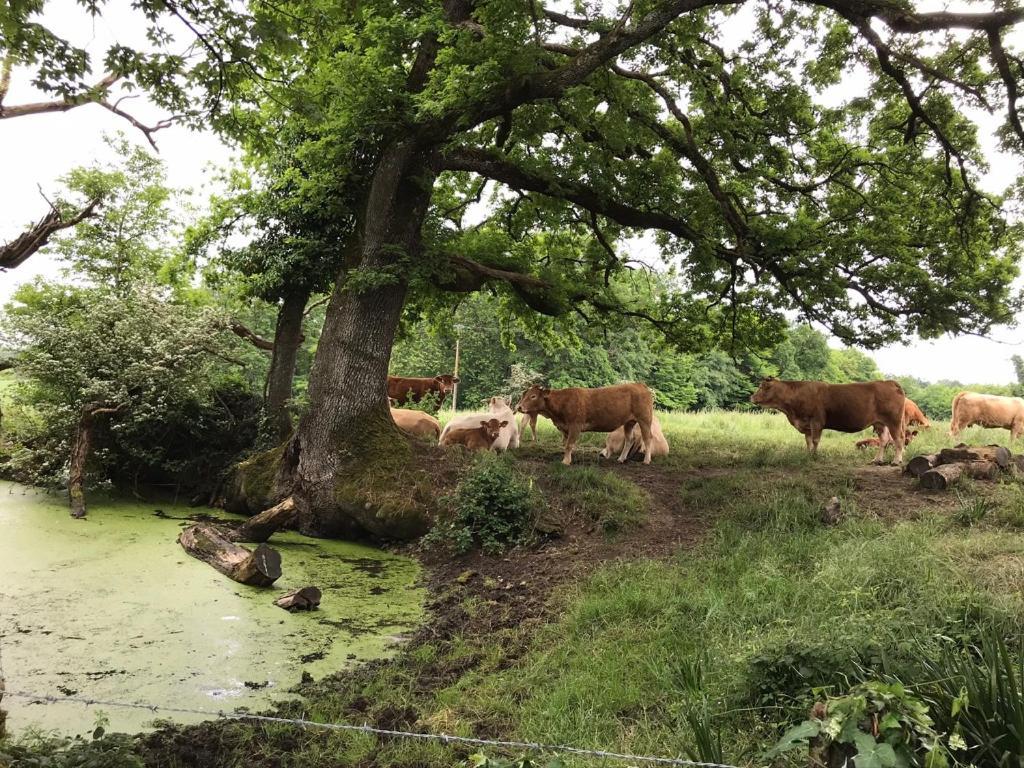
[603, 409]
[884, 439]
[613, 443]
[480, 438]
[402, 389]
[416, 423]
[988, 411]
[498, 408]
[814, 406]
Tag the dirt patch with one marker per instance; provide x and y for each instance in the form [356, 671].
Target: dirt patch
[886, 492]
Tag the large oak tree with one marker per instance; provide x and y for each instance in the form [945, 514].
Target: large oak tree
[815, 156]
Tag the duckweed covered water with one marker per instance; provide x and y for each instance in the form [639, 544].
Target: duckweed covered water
[112, 608]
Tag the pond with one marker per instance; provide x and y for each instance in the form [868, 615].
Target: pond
[112, 608]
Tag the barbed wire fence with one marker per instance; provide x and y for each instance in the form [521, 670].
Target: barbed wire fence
[445, 738]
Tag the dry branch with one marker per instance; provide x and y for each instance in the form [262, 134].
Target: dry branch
[15, 253]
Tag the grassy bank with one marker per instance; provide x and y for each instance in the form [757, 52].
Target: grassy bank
[718, 605]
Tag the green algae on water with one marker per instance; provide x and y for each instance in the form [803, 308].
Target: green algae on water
[112, 608]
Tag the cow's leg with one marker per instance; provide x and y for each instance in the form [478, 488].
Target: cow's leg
[571, 436]
[627, 441]
[1016, 427]
[815, 439]
[648, 441]
[809, 441]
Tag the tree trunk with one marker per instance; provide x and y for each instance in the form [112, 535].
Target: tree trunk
[287, 339]
[81, 444]
[261, 527]
[258, 568]
[304, 599]
[349, 415]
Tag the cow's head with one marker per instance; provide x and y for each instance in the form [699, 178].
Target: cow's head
[532, 400]
[446, 383]
[909, 435]
[498, 404]
[768, 393]
[493, 428]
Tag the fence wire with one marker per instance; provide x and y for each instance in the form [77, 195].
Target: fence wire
[445, 738]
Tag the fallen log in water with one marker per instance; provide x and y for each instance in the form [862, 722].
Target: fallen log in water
[261, 527]
[304, 599]
[258, 568]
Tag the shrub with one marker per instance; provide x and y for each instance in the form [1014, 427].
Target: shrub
[493, 506]
[881, 725]
[977, 696]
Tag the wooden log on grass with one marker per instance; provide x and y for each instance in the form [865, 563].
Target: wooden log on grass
[918, 465]
[943, 476]
[257, 568]
[996, 453]
[304, 599]
[261, 527]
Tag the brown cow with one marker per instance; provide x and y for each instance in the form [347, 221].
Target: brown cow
[604, 409]
[992, 411]
[911, 415]
[480, 438]
[813, 406]
[877, 440]
[403, 389]
[416, 423]
[613, 443]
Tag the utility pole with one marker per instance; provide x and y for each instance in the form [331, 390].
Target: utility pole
[455, 373]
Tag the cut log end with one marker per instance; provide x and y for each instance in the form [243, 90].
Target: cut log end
[918, 465]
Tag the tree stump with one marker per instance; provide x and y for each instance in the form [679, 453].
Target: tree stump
[996, 453]
[918, 465]
[304, 599]
[261, 527]
[259, 568]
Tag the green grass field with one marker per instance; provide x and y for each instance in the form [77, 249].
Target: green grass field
[655, 650]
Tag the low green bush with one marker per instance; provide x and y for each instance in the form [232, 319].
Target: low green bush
[493, 506]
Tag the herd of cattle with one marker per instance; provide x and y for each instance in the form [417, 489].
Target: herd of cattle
[625, 410]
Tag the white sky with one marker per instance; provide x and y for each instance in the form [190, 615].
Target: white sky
[37, 150]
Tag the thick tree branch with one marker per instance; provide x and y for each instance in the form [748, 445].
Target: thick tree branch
[498, 168]
[15, 253]
[94, 95]
[257, 341]
[1012, 91]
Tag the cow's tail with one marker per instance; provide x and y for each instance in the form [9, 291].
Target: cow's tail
[952, 416]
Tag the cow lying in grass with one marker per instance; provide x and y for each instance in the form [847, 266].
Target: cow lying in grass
[884, 440]
[603, 409]
[416, 423]
[498, 408]
[480, 438]
[613, 443]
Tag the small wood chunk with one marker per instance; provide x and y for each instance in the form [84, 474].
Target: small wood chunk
[304, 599]
[832, 512]
[941, 477]
[258, 568]
[996, 453]
[918, 465]
[261, 527]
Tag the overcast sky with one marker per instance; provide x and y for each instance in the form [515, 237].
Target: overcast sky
[37, 150]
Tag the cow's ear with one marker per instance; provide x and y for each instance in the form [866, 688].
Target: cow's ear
[483, 423]
[502, 424]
